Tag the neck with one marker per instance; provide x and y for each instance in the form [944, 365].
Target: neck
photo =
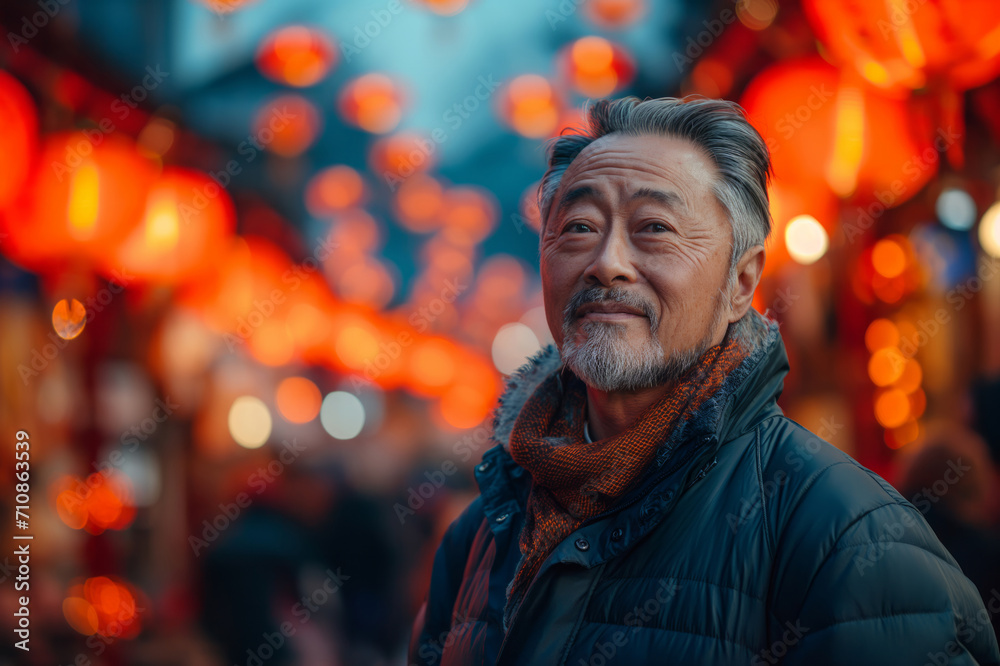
[610, 413]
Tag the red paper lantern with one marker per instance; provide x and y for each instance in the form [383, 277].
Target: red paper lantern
[296, 56]
[829, 131]
[186, 225]
[374, 102]
[908, 45]
[596, 67]
[84, 196]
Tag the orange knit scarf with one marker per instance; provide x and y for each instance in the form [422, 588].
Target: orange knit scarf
[574, 480]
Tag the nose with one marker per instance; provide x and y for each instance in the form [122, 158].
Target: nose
[613, 261]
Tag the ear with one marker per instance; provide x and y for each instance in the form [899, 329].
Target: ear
[748, 271]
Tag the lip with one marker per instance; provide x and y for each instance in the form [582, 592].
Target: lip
[609, 316]
[608, 311]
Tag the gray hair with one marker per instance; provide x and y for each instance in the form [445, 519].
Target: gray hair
[719, 127]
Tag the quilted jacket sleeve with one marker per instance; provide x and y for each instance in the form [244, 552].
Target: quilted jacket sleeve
[879, 589]
[433, 621]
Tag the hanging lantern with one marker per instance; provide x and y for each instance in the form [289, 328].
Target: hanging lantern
[418, 203]
[909, 45]
[374, 102]
[829, 132]
[614, 14]
[334, 189]
[596, 67]
[287, 125]
[529, 105]
[186, 225]
[296, 56]
[398, 156]
[469, 215]
[85, 195]
[444, 7]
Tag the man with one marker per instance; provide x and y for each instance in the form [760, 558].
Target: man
[646, 501]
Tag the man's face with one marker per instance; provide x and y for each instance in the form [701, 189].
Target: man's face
[634, 225]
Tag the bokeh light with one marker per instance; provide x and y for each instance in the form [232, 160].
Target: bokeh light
[806, 239]
[296, 55]
[512, 346]
[989, 231]
[298, 399]
[956, 209]
[342, 415]
[68, 318]
[249, 422]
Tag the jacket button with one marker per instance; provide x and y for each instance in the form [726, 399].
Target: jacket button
[502, 517]
[617, 534]
[582, 544]
[482, 467]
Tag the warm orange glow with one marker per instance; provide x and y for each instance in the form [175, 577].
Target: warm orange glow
[74, 206]
[470, 399]
[711, 77]
[757, 14]
[912, 375]
[529, 106]
[271, 343]
[886, 366]
[298, 399]
[444, 7]
[296, 55]
[892, 408]
[827, 132]
[469, 215]
[374, 102]
[788, 202]
[187, 224]
[889, 258]
[355, 230]
[98, 503]
[849, 145]
[901, 45]
[103, 605]
[366, 282]
[432, 365]
[880, 334]
[918, 403]
[614, 14]
[80, 615]
[287, 125]
[397, 157]
[418, 203]
[356, 345]
[596, 67]
[903, 435]
[69, 318]
[334, 189]
[308, 327]
[84, 201]
[251, 282]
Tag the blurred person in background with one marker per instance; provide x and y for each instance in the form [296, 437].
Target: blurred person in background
[949, 477]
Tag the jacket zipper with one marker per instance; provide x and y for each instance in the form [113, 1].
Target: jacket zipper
[616, 509]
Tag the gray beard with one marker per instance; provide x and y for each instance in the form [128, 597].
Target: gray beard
[607, 361]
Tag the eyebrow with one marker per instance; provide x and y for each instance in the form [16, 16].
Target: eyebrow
[666, 199]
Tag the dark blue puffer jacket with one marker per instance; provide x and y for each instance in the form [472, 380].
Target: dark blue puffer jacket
[749, 541]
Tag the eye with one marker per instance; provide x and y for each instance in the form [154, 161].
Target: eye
[570, 227]
[658, 226]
